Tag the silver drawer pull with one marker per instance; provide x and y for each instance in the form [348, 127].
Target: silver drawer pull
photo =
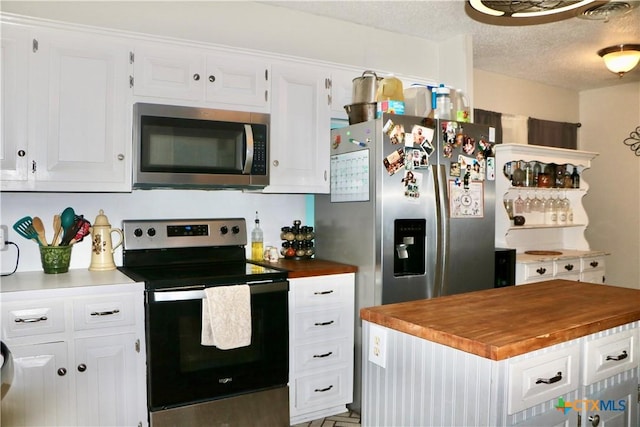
[322, 390]
[622, 356]
[323, 292]
[105, 313]
[323, 323]
[323, 355]
[551, 380]
[31, 320]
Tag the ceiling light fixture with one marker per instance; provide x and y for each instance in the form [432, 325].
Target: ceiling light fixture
[526, 12]
[621, 58]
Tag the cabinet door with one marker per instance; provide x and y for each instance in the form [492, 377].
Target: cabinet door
[239, 81]
[617, 406]
[40, 391]
[106, 380]
[300, 129]
[168, 72]
[16, 47]
[79, 96]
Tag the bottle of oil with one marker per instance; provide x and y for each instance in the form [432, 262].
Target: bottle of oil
[257, 247]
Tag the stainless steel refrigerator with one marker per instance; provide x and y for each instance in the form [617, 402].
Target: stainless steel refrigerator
[412, 205]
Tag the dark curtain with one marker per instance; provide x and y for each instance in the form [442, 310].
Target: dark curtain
[553, 134]
[491, 118]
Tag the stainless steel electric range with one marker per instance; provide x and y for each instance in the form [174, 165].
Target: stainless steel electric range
[192, 384]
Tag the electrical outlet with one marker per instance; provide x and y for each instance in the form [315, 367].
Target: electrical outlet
[378, 345]
[4, 235]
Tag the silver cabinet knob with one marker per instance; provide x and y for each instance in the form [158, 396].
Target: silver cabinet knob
[212, 78]
[22, 153]
[276, 163]
[120, 156]
[595, 420]
[82, 367]
[196, 77]
[62, 372]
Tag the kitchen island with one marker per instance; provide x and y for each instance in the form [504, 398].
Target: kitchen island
[504, 357]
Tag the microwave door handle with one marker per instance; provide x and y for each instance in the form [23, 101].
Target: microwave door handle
[248, 133]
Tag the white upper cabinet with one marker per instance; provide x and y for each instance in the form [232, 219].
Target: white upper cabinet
[300, 129]
[341, 92]
[200, 77]
[16, 44]
[77, 112]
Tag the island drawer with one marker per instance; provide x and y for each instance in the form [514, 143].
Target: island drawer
[29, 318]
[544, 375]
[538, 270]
[610, 355]
[105, 311]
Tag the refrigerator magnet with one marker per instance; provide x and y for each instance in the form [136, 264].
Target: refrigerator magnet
[396, 134]
[491, 168]
[394, 161]
[454, 169]
[421, 134]
[336, 142]
[466, 203]
[447, 151]
[468, 145]
[412, 181]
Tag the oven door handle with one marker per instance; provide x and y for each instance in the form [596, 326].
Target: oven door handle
[192, 294]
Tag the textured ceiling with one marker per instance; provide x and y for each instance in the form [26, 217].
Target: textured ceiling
[562, 53]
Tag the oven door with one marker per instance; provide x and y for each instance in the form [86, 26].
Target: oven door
[182, 371]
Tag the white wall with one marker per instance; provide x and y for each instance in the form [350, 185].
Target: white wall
[608, 117]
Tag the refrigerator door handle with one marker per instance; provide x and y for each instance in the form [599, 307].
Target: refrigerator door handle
[442, 229]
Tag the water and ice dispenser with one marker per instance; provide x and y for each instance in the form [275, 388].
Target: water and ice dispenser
[409, 244]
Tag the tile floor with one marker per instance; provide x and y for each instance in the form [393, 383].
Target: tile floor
[347, 419]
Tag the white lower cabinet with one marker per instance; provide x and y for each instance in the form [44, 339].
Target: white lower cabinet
[79, 357]
[590, 269]
[588, 381]
[321, 328]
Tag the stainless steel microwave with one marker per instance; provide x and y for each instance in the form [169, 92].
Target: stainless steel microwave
[187, 147]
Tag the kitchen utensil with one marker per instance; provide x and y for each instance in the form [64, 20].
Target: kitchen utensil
[57, 229]
[365, 87]
[102, 248]
[67, 218]
[39, 227]
[71, 232]
[24, 227]
[361, 112]
[84, 230]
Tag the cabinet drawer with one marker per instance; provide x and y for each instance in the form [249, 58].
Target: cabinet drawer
[610, 355]
[320, 355]
[538, 270]
[321, 291]
[324, 390]
[105, 311]
[32, 318]
[567, 267]
[592, 263]
[322, 324]
[543, 377]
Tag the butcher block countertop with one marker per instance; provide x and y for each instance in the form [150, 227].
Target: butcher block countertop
[309, 267]
[501, 323]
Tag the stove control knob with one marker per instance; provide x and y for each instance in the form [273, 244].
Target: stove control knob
[235, 229]
[151, 232]
[224, 229]
[137, 232]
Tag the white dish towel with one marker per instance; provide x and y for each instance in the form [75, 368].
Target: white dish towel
[226, 317]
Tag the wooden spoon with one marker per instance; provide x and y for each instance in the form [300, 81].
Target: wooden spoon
[39, 227]
[57, 229]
